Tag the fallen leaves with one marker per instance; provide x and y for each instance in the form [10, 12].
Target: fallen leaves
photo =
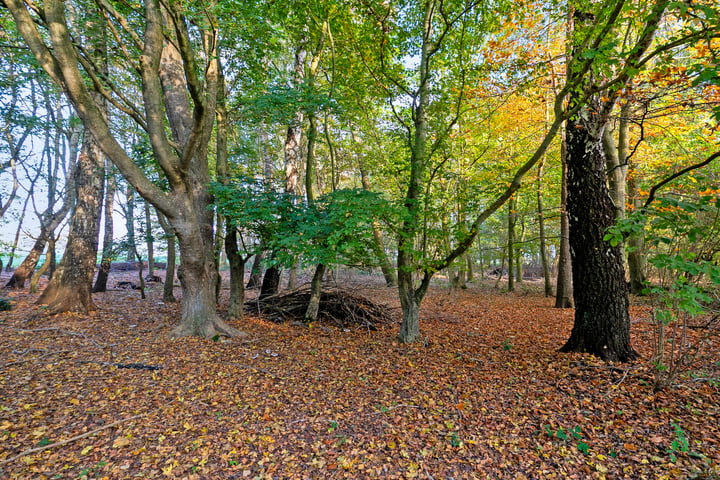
[475, 400]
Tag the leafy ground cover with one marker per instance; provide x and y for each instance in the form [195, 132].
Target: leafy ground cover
[486, 395]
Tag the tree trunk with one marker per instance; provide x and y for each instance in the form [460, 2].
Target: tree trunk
[71, 291]
[271, 282]
[130, 224]
[107, 254]
[470, 275]
[315, 293]
[168, 286]
[255, 272]
[564, 291]
[636, 244]
[602, 320]
[410, 305]
[541, 226]
[510, 242]
[150, 241]
[50, 221]
[237, 274]
[35, 279]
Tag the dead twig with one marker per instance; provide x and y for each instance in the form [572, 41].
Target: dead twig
[30, 451]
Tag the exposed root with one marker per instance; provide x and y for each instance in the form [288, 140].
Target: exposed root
[207, 329]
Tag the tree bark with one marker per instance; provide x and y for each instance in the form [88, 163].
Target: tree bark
[71, 291]
[602, 320]
[169, 284]
[150, 241]
[510, 244]
[541, 227]
[563, 285]
[313, 306]
[130, 224]
[237, 273]
[107, 254]
[271, 282]
[255, 272]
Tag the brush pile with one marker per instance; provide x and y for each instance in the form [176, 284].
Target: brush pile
[338, 307]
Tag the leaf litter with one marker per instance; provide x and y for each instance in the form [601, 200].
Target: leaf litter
[484, 395]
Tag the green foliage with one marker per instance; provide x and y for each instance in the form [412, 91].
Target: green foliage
[682, 235]
[679, 443]
[335, 228]
[574, 435]
[5, 305]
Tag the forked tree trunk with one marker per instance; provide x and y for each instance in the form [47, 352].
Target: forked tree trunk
[71, 290]
[106, 261]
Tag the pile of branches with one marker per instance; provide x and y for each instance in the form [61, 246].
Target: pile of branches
[338, 307]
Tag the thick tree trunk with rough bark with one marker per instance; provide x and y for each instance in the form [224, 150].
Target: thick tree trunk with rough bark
[105, 262]
[602, 320]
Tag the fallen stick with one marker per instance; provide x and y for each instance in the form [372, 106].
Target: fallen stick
[66, 441]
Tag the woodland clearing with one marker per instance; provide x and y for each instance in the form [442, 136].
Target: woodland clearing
[485, 395]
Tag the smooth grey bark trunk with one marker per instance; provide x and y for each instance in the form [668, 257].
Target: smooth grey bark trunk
[541, 227]
[636, 258]
[107, 254]
[512, 215]
[149, 241]
[313, 307]
[563, 286]
[130, 223]
[169, 284]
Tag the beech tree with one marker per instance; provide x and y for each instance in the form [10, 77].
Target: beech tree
[171, 55]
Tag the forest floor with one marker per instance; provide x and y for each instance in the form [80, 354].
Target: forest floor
[485, 395]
